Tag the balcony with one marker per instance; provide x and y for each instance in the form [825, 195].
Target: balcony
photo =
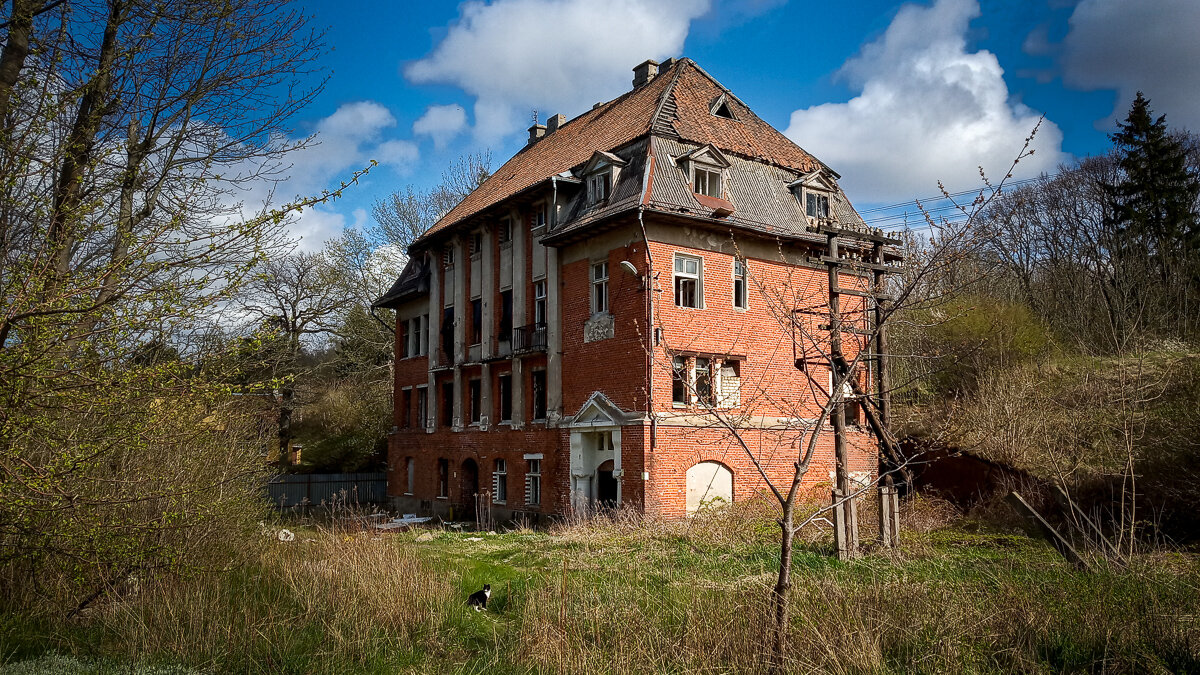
[531, 338]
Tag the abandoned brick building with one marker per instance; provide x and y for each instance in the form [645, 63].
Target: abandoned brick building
[567, 334]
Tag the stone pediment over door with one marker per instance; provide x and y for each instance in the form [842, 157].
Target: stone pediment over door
[598, 412]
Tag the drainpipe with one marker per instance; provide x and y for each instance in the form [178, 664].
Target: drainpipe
[650, 338]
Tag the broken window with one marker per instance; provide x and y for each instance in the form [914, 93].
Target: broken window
[443, 478]
[707, 181]
[406, 408]
[500, 482]
[448, 404]
[679, 380]
[599, 287]
[422, 406]
[816, 205]
[410, 474]
[539, 304]
[687, 281]
[476, 321]
[730, 383]
[533, 482]
[703, 382]
[599, 186]
[505, 386]
[538, 385]
[506, 315]
[475, 393]
[741, 295]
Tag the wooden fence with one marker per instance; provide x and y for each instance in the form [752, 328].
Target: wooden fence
[317, 489]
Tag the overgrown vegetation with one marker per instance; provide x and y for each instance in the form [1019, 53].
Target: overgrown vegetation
[623, 595]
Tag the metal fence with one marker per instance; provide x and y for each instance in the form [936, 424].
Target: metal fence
[315, 489]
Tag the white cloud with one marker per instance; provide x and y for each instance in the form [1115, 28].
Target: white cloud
[555, 55]
[345, 142]
[1131, 45]
[441, 123]
[928, 110]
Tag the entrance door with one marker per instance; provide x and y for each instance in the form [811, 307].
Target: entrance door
[469, 487]
[606, 486]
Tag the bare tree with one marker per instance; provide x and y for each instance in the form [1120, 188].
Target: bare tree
[405, 215]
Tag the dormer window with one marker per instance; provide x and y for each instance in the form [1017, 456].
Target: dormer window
[815, 193]
[707, 181]
[599, 186]
[816, 205]
[720, 108]
[601, 173]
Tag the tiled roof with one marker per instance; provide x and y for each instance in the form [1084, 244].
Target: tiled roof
[677, 103]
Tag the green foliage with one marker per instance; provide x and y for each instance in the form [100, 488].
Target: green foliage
[638, 596]
[964, 337]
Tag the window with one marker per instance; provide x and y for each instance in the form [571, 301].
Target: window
[679, 380]
[706, 181]
[741, 297]
[506, 315]
[476, 242]
[448, 404]
[599, 185]
[504, 231]
[448, 256]
[416, 336]
[476, 321]
[599, 287]
[538, 382]
[533, 482]
[500, 482]
[816, 205]
[539, 303]
[443, 478]
[687, 281]
[539, 217]
[505, 386]
[475, 392]
[448, 334]
[406, 408]
[422, 406]
[410, 471]
[703, 382]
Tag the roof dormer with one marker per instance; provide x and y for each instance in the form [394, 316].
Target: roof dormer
[815, 192]
[600, 174]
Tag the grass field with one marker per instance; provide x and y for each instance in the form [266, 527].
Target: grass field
[626, 596]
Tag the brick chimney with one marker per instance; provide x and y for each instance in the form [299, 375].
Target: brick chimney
[535, 133]
[644, 72]
[554, 123]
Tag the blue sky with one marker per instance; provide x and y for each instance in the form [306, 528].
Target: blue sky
[894, 96]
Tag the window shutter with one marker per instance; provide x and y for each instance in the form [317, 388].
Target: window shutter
[528, 489]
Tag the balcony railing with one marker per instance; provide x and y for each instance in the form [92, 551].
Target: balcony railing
[531, 338]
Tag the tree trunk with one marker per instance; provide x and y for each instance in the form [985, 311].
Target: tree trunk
[779, 594]
[16, 49]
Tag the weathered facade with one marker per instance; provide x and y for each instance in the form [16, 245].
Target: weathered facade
[573, 333]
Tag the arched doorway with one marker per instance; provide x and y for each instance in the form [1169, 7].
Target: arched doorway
[708, 483]
[607, 495]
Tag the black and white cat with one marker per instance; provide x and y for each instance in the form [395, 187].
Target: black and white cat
[479, 598]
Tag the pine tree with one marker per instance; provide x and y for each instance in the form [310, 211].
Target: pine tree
[1156, 199]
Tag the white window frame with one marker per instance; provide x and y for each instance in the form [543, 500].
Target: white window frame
[533, 481]
[698, 277]
[499, 482]
[539, 302]
[741, 300]
[599, 275]
[712, 177]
